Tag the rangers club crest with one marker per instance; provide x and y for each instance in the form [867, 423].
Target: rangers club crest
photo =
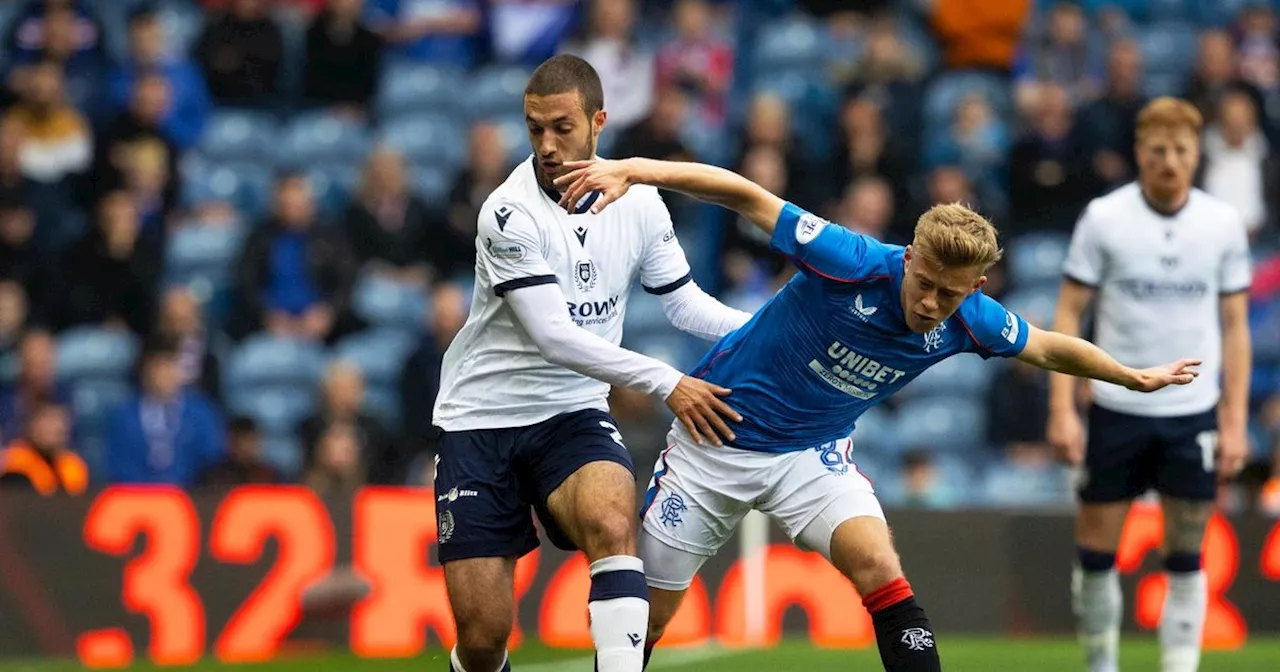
[933, 337]
[670, 510]
[917, 639]
[584, 275]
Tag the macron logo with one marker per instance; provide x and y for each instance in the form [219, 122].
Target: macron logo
[502, 215]
[635, 639]
[862, 311]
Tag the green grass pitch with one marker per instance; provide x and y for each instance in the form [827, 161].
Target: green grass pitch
[958, 655]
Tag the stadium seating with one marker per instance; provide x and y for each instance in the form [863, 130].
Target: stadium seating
[1035, 259]
[426, 138]
[239, 135]
[263, 360]
[875, 433]
[96, 353]
[318, 137]
[202, 255]
[943, 423]
[333, 186]
[494, 92]
[409, 88]
[964, 375]
[379, 354]
[794, 43]
[247, 186]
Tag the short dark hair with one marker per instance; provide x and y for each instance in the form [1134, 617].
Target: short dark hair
[241, 425]
[564, 74]
[161, 345]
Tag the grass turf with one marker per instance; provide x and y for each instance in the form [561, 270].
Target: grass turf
[958, 655]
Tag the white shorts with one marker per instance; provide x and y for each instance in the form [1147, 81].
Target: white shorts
[699, 494]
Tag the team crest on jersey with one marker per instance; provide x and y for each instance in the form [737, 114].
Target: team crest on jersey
[584, 275]
[444, 526]
[933, 337]
[504, 250]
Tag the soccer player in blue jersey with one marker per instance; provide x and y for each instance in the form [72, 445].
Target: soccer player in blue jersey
[860, 320]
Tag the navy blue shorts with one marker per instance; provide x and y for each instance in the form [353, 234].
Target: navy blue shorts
[490, 481]
[1129, 454]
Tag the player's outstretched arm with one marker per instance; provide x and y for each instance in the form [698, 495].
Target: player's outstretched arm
[1078, 357]
[540, 310]
[716, 185]
[1065, 431]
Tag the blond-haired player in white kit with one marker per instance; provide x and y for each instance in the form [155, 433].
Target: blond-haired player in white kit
[524, 386]
[1168, 268]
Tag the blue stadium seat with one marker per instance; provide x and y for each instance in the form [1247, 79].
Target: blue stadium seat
[426, 139]
[876, 431]
[238, 135]
[677, 349]
[1218, 13]
[494, 92]
[792, 43]
[1007, 484]
[284, 452]
[432, 182]
[182, 22]
[1036, 258]
[960, 375]
[644, 315]
[277, 409]
[383, 403]
[379, 354]
[246, 186]
[93, 353]
[263, 360]
[94, 400]
[389, 304]
[1168, 47]
[318, 137]
[515, 137]
[410, 87]
[1036, 305]
[202, 254]
[942, 423]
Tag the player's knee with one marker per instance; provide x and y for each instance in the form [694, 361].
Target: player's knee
[608, 533]
[485, 636]
[873, 568]
[1185, 525]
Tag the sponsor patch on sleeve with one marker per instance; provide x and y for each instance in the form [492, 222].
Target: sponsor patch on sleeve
[808, 228]
[1010, 331]
[505, 250]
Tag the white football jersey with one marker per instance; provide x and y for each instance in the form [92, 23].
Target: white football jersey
[493, 375]
[1158, 280]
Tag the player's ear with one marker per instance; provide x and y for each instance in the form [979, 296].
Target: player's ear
[598, 120]
[981, 282]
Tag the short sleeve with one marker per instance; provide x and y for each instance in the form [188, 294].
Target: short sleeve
[1236, 273]
[994, 331]
[664, 268]
[508, 244]
[1086, 258]
[824, 248]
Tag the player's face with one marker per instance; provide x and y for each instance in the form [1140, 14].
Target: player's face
[560, 131]
[930, 294]
[1167, 159]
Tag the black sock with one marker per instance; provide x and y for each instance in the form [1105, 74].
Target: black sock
[905, 638]
[648, 653]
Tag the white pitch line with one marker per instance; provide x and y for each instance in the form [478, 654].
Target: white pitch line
[662, 660]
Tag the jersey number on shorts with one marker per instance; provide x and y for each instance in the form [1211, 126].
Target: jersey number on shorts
[613, 433]
[1208, 441]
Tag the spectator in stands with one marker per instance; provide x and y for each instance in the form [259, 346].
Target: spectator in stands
[338, 468]
[979, 34]
[70, 25]
[626, 66]
[867, 207]
[241, 52]
[749, 265]
[20, 261]
[949, 184]
[56, 140]
[420, 381]
[342, 404]
[769, 124]
[657, 136]
[922, 486]
[1060, 55]
[977, 141]
[1238, 165]
[13, 320]
[443, 33]
[77, 52]
[244, 464]
[294, 278]
[144, 121]
[1103, 134]
[1216, 73]
[487, 168]
[1045, 181]
[148, 181]
[389, 229]
[111, 275]
[41, 458]
[165, 433]
[182, 319]
[35, 384]
[343, 59]
[1258, 49]
[182, 117]
[887, 74]
[698, 62]
[866, 148]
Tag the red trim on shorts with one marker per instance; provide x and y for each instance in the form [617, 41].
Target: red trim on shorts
[888, 595]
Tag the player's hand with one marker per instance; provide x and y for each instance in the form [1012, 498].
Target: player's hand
[1180, 372]
[611, 178]
[698, 405]
[1066, 434]
[1233, 450]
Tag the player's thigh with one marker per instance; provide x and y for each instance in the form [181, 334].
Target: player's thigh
[698, 495]
[1188, 466]
[480, 512]
[481, 596]
[1100, 524]
[1120, 464]
[818, 484]
[581, 480]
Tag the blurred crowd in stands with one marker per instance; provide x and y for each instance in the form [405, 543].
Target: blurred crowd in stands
[236, 236]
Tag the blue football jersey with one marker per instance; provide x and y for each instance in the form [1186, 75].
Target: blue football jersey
[833, 342]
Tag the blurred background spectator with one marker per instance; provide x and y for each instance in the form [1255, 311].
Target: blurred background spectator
[285, 193]
[42, 457]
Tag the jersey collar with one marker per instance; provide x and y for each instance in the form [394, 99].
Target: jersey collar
[583, 206]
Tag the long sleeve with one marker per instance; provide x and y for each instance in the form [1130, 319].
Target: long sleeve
[693, 311]
[541, 311]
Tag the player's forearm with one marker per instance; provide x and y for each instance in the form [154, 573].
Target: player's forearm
[1237, 362]
[1078, 357]
[711, 184]
[1062, 387]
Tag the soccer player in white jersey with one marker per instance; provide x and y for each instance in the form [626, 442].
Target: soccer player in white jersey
[524, 385]
[1168, 266]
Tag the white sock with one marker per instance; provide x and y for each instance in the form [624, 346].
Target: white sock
[619, 612]
[1182, 624]
[456, 663]
[1098, 605]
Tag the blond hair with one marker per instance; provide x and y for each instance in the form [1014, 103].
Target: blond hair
[1168, 113]
[953, 236]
